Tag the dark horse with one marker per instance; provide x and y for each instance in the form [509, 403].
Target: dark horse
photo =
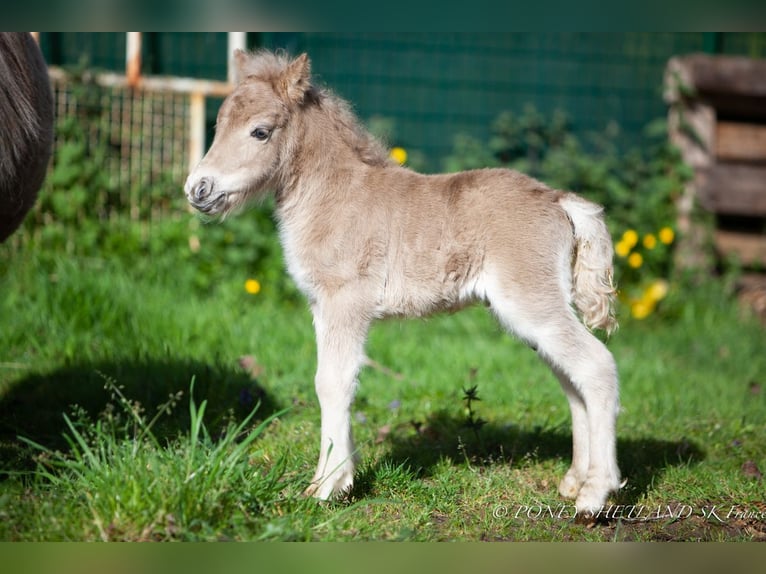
[26, 121]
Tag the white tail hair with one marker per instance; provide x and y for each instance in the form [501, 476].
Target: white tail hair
[593, 287]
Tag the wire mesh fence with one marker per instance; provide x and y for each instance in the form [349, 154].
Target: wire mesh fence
[142, 137]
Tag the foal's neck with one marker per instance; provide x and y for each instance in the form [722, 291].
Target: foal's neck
[320, 148]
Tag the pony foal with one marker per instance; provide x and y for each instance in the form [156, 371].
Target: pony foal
[365, 238]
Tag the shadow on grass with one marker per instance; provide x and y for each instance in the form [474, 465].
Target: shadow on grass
[445, 436]
[35, 405]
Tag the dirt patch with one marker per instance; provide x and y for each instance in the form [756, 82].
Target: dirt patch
[712, 522]
[693, 529]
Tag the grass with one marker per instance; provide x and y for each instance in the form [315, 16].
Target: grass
[142, 421]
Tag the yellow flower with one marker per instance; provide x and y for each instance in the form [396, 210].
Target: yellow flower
[657, 291]
[630, 237]
[650, 241]
[398, 154]
[252, 286]
[635, 260]
[640, 309]
[622, 249]
[667, 235]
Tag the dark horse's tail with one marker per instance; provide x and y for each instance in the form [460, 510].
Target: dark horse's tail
[26, 116]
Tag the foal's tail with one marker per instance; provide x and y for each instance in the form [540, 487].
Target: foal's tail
[593, 290]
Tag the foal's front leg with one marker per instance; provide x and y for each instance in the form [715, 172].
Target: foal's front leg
[340, 353]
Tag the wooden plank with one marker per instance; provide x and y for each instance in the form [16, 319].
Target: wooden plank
[207, 88]
[735, 86]
[734, 189]
[726, 74]
[740, 141]
[133, 58]
[748, 248]
[752, 281]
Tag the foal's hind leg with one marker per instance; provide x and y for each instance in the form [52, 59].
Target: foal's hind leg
[587, 371]
[340, 351]
[573, 480]
[588, 374]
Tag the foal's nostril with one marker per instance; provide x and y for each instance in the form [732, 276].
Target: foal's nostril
[202, 190]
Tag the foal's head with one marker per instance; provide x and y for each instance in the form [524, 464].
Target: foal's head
[250, 132]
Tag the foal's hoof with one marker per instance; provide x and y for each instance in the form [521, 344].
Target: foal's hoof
[592, 499]
[311, 491]
[569, 486]
[587, 519]
[330, 488]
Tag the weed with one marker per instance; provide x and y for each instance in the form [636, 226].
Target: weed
[473, 421]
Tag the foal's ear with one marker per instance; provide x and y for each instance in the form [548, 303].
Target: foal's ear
[241, 58]
[297, 79]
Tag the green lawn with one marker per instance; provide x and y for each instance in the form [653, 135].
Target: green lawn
[106, 343]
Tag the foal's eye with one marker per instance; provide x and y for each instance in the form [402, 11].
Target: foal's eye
[261, 134]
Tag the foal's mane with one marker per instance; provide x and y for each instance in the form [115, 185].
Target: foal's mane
[271, 67]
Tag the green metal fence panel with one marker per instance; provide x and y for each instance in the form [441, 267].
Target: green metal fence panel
[749, 44]
[187, 54]
[103, 50]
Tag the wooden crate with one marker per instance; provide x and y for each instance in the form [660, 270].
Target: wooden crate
[717, 118]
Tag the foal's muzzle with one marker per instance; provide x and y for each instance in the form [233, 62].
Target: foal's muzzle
[201, 191]
[203, 196]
